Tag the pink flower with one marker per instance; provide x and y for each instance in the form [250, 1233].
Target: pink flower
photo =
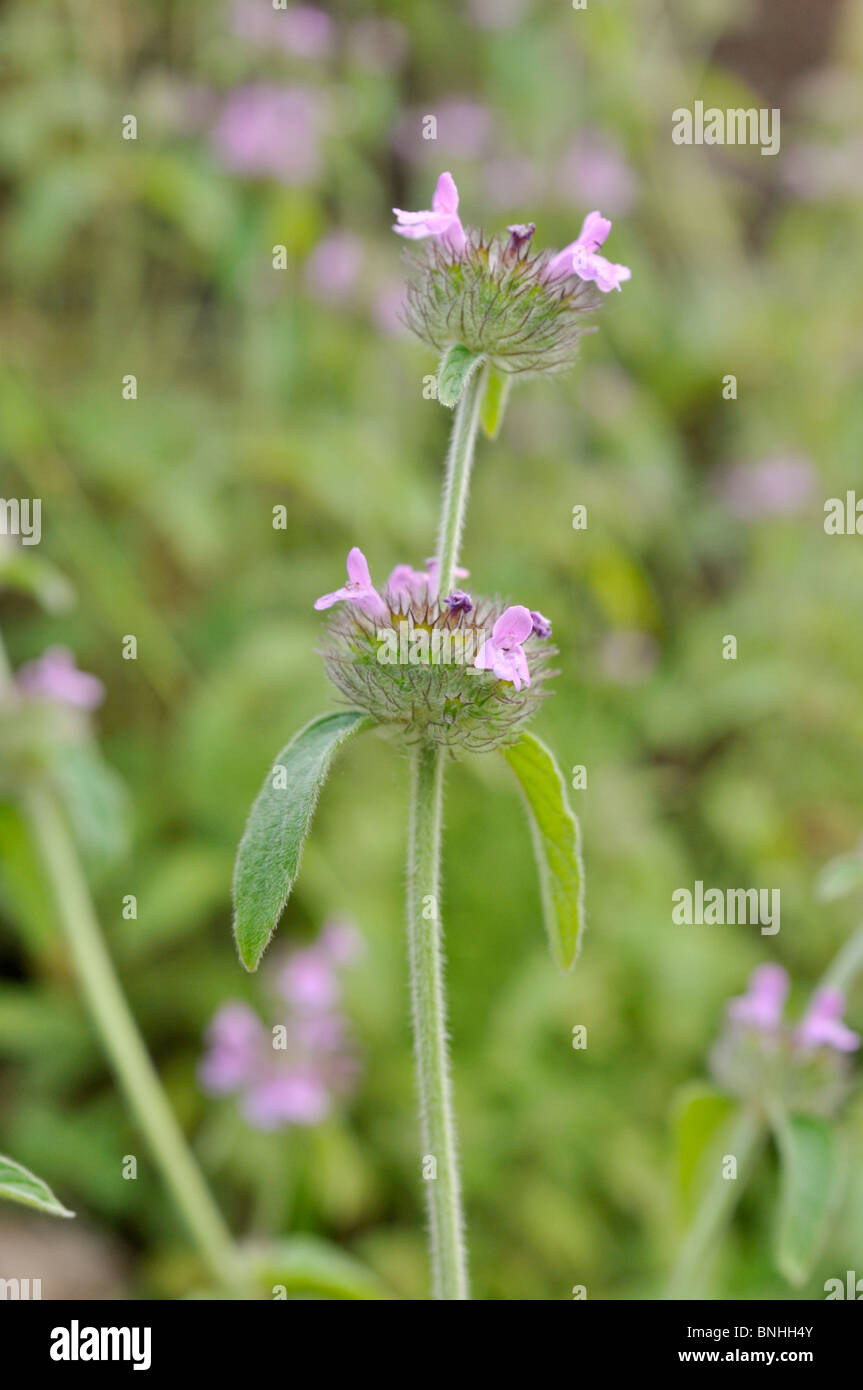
[333, 266]
[502, 652]
[291, 1097]
[822, 1024]
[407, 585]
[359, 588]
[763, 1003]
[442, 221]
[580, 258]
[431, 577]
[54, 676]
[271, 131]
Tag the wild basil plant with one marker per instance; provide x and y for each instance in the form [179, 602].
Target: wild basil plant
[444, 668]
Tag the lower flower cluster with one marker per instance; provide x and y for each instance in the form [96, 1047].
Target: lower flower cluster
[450, 670]
[761, 1057]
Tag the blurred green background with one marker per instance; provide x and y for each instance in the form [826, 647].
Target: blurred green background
[259, 387]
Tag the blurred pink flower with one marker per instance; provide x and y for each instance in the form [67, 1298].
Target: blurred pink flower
[291, 1077]
[303, 30]
[463, 130]
[271, 132]
[822, 1024]
[388, 308]
[762, 1007]
[54, 676]
[235, 1037]
[594, 169]
[341, 942]
[777, 486]
[308, 981]
[763, 1004]
[333, 267]
[510, 182]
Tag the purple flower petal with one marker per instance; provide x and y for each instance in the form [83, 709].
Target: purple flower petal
[54, 676]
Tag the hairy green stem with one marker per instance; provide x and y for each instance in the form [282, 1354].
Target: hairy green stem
[120, 1036]
[437, 1121]
[716, 1207]
[457, 486]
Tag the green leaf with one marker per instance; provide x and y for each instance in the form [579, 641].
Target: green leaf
[305, 1265]
[18, 1184]
[700, 1112]
[556, 842]
[811, 1184]
[268, 858]
[840, 877]
[494, 398]
[456, 366]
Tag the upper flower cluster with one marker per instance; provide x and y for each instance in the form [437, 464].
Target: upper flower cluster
[524, 312]
[760, 1053]
[449, 668]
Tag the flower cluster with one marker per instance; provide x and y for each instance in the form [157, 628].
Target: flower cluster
[759, 1054]
[54, 676]
[44, 711]
[451, 669]
[524, 312]
[293, 1074]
